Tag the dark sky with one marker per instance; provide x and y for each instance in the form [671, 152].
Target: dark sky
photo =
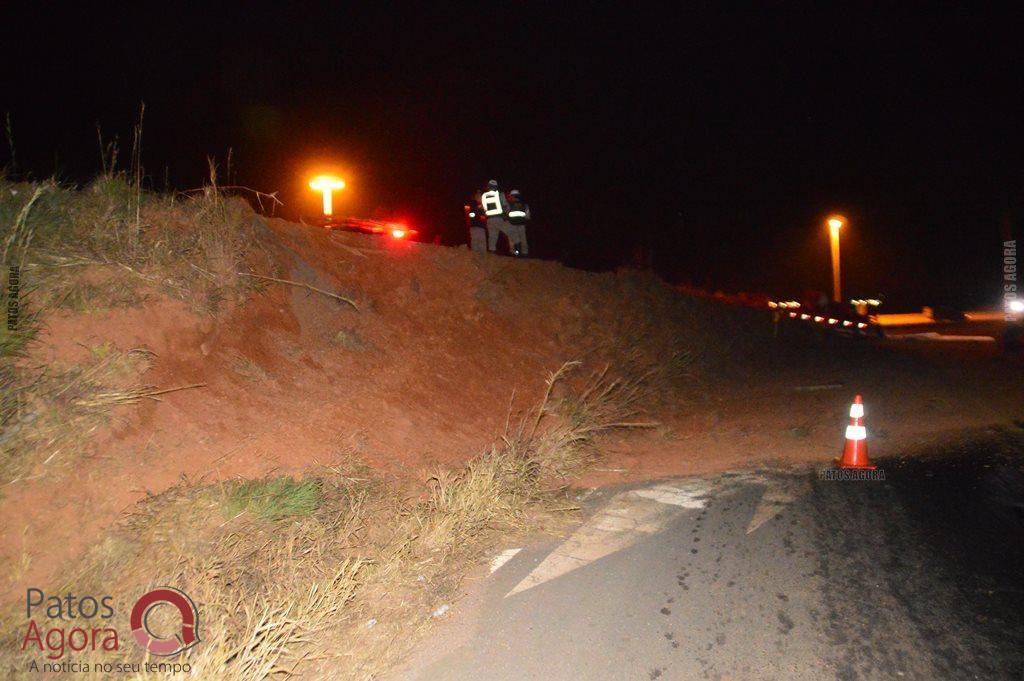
[715, 135]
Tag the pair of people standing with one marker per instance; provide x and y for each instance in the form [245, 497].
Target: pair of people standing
[505, 214]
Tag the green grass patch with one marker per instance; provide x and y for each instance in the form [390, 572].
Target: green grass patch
[275, 498]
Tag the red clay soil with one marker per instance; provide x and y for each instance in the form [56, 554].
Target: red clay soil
[423, 372]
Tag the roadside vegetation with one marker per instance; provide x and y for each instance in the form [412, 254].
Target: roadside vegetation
[335, 574]
[108, 244]
[104, 244]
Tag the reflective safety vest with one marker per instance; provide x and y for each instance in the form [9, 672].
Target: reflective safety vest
[518, 213]
[491, 202]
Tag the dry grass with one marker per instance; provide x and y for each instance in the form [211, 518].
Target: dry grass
[334, 576]
[47, 412]
[246, 367]
[191, 247]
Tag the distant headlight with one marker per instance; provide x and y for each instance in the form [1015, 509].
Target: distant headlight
[1015, 306]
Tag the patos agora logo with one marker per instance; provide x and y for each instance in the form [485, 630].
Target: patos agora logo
[61, 625]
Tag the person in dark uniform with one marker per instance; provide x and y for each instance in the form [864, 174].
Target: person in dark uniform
[518, 216]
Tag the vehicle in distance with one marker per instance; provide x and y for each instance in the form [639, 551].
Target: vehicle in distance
[394, 230]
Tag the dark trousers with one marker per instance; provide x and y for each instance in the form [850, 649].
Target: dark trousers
[496, 226]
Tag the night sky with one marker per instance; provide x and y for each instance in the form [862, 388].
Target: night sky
[716, 136]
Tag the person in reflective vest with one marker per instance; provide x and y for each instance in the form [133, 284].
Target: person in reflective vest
[518, 215]
[495, 207]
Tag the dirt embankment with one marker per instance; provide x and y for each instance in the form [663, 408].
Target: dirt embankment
[427, 370]
[424, 372]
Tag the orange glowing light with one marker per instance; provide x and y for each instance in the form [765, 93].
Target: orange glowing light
[327, 184]
[398, 233]
[836, 222]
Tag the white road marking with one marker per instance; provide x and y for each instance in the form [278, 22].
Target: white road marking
[692, 495]
[933, 336]
[628, 517]
[505, 556]
[779, 493]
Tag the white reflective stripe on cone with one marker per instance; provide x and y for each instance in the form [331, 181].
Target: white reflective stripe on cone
[856, 411]
[517, 214]
[856, 433]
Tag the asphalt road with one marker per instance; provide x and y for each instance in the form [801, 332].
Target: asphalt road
[764, 575]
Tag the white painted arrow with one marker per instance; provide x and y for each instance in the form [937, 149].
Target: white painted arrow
[505, 556]
[779, 493]
[627, 518]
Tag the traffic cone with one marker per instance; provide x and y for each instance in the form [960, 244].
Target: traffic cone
[855, 453]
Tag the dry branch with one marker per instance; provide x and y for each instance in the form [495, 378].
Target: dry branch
[130, 396]
[301, 285]
[272, 196]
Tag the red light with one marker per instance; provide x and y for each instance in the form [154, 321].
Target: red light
[398, 233]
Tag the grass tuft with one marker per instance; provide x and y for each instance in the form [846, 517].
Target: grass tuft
[246, 367]
[273, 499]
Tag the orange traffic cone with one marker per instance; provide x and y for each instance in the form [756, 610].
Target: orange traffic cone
[855, 453]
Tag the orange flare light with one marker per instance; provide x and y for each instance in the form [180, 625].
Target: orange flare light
[327, 184]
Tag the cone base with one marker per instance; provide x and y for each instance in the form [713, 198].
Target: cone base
[858, 467]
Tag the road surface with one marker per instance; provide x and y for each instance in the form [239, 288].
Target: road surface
[763, 575]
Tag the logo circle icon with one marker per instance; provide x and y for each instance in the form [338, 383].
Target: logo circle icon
[182, 640]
